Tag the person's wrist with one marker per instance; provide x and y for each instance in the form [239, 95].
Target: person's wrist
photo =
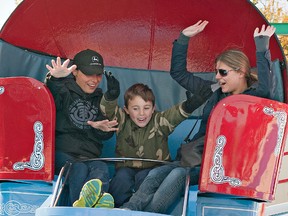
[262, 43]
[183, 39]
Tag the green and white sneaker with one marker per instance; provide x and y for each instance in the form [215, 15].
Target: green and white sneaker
[105, 201]
[89, 194]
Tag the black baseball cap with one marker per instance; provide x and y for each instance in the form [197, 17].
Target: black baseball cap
[89, 62]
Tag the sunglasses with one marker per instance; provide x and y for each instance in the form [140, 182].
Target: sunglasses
[223, 72]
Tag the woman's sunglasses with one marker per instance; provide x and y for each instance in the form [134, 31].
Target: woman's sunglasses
[223, 72]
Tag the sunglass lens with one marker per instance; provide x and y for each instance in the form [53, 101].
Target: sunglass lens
[222, 72]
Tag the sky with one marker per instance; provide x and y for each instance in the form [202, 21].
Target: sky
[7, 7]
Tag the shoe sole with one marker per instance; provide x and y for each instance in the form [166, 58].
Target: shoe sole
[105, 201]
[89, 194]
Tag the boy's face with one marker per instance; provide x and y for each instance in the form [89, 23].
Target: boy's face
[88, 83]
[140, 111]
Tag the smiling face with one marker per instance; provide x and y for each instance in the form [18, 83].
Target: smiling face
[238, 77]
[88, 83]
[140, 111]
[233, 82]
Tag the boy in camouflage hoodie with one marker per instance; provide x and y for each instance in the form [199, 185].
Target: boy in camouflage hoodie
[142, 133]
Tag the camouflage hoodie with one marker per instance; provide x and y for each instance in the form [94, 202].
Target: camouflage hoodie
[149, 142]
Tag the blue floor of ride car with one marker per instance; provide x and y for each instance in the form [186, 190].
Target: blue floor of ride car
[72, 211]
[212, 204]
[23, 197]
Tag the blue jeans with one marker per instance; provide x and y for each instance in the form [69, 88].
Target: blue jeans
[80, 173]
[162, 187]
[125, 182]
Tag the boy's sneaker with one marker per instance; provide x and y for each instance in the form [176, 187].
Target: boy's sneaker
[89, 194]
[105, 201]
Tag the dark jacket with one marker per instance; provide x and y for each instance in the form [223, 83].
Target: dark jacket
[73, 109]
[195, 84]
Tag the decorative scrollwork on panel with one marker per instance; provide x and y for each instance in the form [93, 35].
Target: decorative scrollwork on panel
[37, 158]
[2, 89]
[13, 207]
[281, 117]
[217, 172]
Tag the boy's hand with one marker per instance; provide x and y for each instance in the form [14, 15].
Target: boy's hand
[113, 87]
[193, 101]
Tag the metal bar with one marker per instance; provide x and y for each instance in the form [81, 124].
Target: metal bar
[58, 190]
[128, 159]
[186, 192]
[69, 164]
[54, 194]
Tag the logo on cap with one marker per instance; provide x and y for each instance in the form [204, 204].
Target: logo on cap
[95, 61]
[95, 58]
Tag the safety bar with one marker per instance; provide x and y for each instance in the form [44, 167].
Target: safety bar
[59, 187]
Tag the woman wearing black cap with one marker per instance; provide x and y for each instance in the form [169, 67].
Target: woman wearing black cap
[77, 99]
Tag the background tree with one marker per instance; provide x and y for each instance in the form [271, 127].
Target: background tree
[274, 12]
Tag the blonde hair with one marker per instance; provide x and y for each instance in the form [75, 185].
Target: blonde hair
[237, 60]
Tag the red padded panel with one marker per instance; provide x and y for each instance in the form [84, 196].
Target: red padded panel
[244, 146]
[27, 124]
